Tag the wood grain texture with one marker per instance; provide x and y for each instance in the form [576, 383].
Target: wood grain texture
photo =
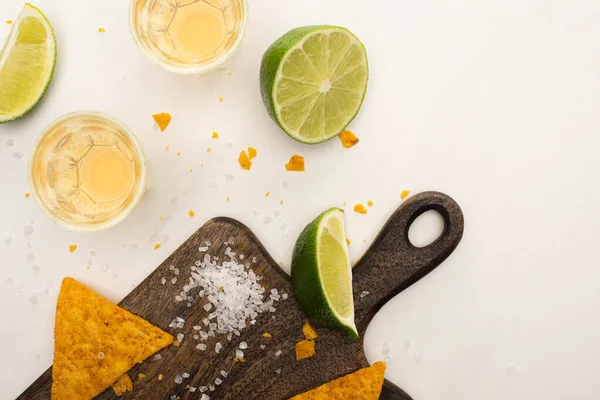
[390, 265]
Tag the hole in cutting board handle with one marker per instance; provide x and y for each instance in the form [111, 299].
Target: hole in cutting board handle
[426, 229]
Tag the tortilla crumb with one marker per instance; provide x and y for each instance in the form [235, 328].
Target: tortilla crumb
[296, 163]
[359, 208]
[141, 376]
[266, 334]
[220, 99]
[88, 267]
[191, 170]
[163, 120]
[72, 248]
[309, 332]
[228, 199]
[157, 246]
[267, 194]
[122, 385]
[215, 135]
[251, 152]
[348, 242]
[8, 22]
[208, 150]
[167, 147]
[404, 194]
[370, 203]
[191, 213]
[27, 195]
[280, 202]
[176, 343]
[101, 30]
[229, 73]
[160, 377]
[348, 139]
[161, 218]
[305, 349]
[178, 153]
[244, 160]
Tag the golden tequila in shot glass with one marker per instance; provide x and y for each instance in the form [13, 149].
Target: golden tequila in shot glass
[188, 36]
[87, 172]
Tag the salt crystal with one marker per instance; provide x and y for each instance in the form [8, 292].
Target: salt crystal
[229, 177]
[18, 155]
[387, 359]
[285, 184]
[218, 381]
[206, 321]
[28, 230]
[205, 397]
[212, 184]
[173, 397]
[157, 357]
[243, 345]
[228, 145]
[418, 355]
[178, 379]
[262, 346]
[276, 213]
[201, 346]
[207, 242]
[174, 281]
[10, 142]
[171, 267]
[7, 240]
[239, 353]
[196, 337]
[203, 335]
[278, 353]
[211, 388]
[197, 327]
[218, 347]
[406, 344]
[104, 267]
[192, 389]
[207, 306]
[122, 247]
[224, 373]
[284, 296]
[364, 293]
[180, 337]
[202, 389]
[100, 355]
[267, 220]
[176, 271]
[278, 370]
[202, 249]
[185, 375]
[36, 268]
[386, 348]
[33, 299]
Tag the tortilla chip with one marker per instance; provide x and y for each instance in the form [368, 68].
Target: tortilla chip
[364, 384]
[305, 349]
[309, 332]
[162, 120]
[348, 139]
[296, 163]
[122, 385]
[95, 342]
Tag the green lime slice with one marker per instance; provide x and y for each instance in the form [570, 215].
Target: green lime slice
[26, 64]
[313, 81]
[321, 273]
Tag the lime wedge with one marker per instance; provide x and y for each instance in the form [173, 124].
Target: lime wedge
[313, 81]
[26, 64]
[321, 273]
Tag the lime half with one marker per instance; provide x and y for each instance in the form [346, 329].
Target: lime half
[26, 64]
[321, 273]
[313, 81]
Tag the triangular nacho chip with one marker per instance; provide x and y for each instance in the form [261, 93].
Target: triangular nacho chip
[95, 342]
[122, 385]
[364, 384]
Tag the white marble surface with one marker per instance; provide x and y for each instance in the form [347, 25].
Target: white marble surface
[495, 103]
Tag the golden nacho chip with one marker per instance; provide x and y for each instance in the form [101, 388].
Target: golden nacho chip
[364, 384]
[244, 160]
[163, 120]
[305, 349]
[308, 331]
[95, 342]
[123, 384]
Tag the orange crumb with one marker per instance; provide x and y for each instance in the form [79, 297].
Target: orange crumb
[191, 213]
[309, 332]
[348, 242]
[9, 21]
[370, 203]
[178, 153]
[88, 267]
[208, 150]
[160, 377]
[141, 376]
[281, 202]
[176, 343]
[220, 99]
[191, 170]
[266, 334]
[344, 203]
[359, 208]
[101, 30]
[215, 135]
[27, 195]
[163, 120]
[267, 194]
[251, 152]
[167, 147]
[228, 199]
[161, 218]
[229, 73]
[364, 240]
[242, 359]
[72, 248]
[244, 161]
[305, 349]
[404, 194]
[348, 139]
[157, 246]
[202, 165]
[296, 163]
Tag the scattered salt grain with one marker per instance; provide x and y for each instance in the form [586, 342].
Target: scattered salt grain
[218, 347]
[202, 249]
[229, 177]
[278, 370]
[386, 348]
[192, 389]
[223, 373]
[212, 184]
[262, 346]
[218, 381]
[239, 354]
[176, 271]
[28, 230]
[277, 353]
[267, 220]
[207, 306]
[171, 267]
[10, 142]
[205, 397]
[197, 327]
[174, 281]
[211, 388]
[201, 346]
[36, 268]
[7, 240]
[178, 379]
[406, 344]
[203, 389]
[157, 357]
[418, 355]
[284, 296]
[364, 294]
[185, 375]
[243, 345]
[104, 267]
[180, 337]
[18, 155]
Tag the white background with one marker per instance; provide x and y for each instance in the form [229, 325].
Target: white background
[493, 102]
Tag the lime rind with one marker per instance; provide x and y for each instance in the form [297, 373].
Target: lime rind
[34, 12]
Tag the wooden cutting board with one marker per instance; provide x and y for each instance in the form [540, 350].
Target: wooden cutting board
[391, 265]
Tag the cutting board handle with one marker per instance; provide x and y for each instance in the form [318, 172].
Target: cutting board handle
[393, 263]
